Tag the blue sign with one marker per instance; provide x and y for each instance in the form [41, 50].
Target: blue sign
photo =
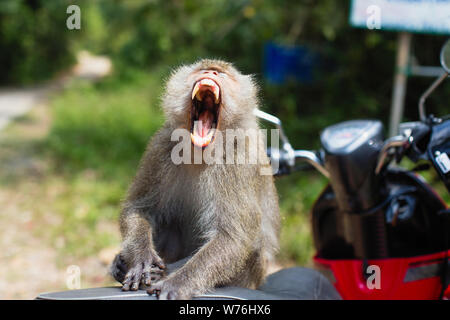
[422, 16]
[282, 63]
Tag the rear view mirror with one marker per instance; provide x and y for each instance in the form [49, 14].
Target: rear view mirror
[445, 56]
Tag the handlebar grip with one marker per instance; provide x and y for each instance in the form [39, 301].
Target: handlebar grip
[277, 155]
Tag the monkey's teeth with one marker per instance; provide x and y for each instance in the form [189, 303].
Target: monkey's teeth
[202, 141]
[216, 94]
[210, 135]
[195, 129]
[215, 88]
[195, 90]
[209, 83]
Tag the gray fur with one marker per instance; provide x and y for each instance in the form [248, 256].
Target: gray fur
[225, 216]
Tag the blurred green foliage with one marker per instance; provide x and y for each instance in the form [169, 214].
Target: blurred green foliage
[97, 136]
[34, 40]
[105, 126]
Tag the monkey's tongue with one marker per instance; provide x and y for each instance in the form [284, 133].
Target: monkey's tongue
[203, 131]
[204, 123]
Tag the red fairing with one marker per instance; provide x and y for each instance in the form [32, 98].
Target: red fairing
[412, 278]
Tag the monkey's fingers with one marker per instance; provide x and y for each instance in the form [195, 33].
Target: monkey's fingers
[132, 280]
[146, 278]
[157, 261]
[126, 286]
[154, 270]
[155, 289]
[132, 285]
[150, 273]
[164, 291]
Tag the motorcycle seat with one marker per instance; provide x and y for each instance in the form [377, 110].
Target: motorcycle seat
[287, 284]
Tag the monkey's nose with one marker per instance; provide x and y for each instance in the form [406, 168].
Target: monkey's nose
[210, 71]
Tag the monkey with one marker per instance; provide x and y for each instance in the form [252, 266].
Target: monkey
[222, 219]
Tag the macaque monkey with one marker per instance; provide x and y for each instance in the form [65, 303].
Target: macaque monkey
[222, 218]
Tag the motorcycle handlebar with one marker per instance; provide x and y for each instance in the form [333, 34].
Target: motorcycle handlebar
[288, 158]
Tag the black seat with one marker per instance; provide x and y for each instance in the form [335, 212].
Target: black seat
[287, 284]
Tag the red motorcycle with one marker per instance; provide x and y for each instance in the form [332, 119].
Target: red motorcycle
[380, 231]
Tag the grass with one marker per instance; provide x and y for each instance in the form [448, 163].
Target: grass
[104, 127]
[297, 194]
[97, 136]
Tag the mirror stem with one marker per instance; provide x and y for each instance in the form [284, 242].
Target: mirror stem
[427, 93]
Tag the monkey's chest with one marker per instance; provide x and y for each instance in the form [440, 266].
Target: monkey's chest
[181, 232]
[188, 196]
[184, 217]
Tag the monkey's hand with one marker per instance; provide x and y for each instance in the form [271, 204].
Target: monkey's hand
[143, 271]
[171, 289]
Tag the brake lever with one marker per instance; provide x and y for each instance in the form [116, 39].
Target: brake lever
[394, 142]
[402, 150]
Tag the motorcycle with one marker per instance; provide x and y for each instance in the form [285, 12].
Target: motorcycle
[380, 232]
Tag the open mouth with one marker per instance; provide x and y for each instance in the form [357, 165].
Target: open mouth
[204, 112]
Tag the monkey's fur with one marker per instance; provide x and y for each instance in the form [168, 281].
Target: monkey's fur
[224, 217]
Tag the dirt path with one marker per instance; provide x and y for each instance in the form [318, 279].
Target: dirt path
[30, 263]
[15, 102]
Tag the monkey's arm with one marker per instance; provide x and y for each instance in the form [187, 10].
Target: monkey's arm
[137, 262]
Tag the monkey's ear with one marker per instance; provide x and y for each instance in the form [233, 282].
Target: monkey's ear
[253, 85]
[254, 80]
